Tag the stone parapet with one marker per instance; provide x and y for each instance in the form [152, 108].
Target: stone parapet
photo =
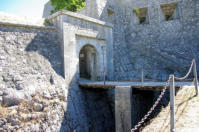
[79, 16]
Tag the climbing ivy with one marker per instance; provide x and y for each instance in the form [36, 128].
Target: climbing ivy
[71, 5]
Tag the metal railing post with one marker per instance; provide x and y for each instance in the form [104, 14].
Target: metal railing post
[172, 103]
[104, 68]
[195, 77]
[142, 77]
[104, 77]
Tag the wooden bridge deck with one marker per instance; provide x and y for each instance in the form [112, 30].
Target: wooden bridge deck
[155, 86]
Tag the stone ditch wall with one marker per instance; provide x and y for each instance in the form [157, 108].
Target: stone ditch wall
[159, 47]
[118, 19]
[162, 47]
[85, 106]
[34, 95]
[31, 82]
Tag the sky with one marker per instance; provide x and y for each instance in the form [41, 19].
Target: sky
[29, 8]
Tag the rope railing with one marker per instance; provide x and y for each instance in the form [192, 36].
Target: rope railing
[133, 76]
[141, 75]
[172, 91]
[195, 79]
[188, 73]
[171, 84]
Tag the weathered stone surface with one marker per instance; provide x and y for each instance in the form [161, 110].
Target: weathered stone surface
[3, 121]
[19, 86]
[159, 47]
[1, 93]
[17, 78]
[2, 86]
[28, 56]
[10, 128]
[37, 107]
[13, 98]
[15, 122]
[26, 117]
[47, 95]
[1, 100]
[123, 101]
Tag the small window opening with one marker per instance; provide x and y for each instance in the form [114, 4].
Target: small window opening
[141, 15]
[110, 15]
[170, 11]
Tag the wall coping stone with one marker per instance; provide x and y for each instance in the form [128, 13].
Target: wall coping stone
[89, 34]
[79, 16]
[9, 24]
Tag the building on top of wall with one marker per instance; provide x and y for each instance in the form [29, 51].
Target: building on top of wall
[157, 36]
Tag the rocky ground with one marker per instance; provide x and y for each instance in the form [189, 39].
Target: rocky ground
[32, 107]
[186, 114]
[31, 84]
[41, 113]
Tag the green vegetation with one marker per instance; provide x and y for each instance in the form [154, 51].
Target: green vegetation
[71, 5]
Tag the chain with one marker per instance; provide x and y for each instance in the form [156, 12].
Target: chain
[160, 97]
[152, 108]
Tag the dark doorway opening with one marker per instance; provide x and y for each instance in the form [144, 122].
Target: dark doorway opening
[88, 63]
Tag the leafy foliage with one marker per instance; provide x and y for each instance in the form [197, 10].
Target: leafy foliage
[71, 5]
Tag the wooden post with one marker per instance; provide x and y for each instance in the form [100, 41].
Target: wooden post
[195, 77]
[123, 97]
[172, 104]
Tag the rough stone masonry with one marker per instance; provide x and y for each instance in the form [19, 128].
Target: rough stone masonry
[39, 64]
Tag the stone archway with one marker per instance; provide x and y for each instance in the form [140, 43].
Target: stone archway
[88, 62]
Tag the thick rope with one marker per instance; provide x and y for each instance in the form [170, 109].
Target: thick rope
[188, 73]
[160, 97]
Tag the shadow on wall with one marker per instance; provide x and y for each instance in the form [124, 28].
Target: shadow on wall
[49, 48]
[88, 110]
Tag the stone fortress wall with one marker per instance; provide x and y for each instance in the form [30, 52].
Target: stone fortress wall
[78, 31]
[28, 59]
[158, 45]
[39, 65]
[35, 94]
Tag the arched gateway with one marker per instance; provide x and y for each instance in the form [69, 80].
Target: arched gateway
[88, 62]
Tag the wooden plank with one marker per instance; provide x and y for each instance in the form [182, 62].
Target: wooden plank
[155, 86]
[123, 97]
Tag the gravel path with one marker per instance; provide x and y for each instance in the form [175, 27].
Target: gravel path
[187, 114]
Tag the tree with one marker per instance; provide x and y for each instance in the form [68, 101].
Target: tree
[71, 5]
